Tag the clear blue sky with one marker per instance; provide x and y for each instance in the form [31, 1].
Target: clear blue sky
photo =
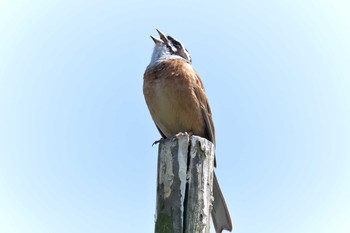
[76, 135]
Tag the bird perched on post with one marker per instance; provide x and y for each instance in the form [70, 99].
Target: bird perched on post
[176, 99]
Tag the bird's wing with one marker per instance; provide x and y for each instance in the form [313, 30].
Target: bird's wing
[206, 111]
[205, 107]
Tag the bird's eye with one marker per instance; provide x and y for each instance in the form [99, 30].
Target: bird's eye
[176, 44]
[171, 48]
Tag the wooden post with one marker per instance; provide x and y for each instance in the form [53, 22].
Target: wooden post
[184, 185]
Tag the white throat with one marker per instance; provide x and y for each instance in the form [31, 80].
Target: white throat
[161, 53]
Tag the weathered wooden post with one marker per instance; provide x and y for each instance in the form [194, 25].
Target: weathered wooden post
[184, 185]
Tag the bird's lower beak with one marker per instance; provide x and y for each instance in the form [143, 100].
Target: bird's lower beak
[156, 40]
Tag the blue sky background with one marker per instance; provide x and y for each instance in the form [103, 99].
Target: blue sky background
[76, 135]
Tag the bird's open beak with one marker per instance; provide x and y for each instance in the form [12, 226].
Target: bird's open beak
[163, 38]
[156, 40]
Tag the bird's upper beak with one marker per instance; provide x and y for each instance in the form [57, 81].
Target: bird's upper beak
[163, 38]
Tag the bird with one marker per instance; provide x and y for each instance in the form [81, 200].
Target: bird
[177, 102]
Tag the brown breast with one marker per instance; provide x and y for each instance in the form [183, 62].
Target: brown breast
[169, 92]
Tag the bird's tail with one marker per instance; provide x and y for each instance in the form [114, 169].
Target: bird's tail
[221, 216]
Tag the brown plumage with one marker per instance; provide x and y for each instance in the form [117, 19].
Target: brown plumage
[176, 99]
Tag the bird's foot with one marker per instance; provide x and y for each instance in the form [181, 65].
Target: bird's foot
[183, 134]
[158, 141]
[176, 136]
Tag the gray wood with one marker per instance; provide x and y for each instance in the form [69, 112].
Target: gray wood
[184, 185]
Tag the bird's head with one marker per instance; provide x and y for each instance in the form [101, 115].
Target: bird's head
[167, 47]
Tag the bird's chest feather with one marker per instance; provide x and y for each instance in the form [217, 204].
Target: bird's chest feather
[171, 101]
[170, 98]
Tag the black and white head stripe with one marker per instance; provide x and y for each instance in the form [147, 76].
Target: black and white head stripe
[178, 48]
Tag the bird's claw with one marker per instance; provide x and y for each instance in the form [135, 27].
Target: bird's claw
[158, 141]
[190, 133]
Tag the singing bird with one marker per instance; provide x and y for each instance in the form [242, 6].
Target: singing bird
[176, 99]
